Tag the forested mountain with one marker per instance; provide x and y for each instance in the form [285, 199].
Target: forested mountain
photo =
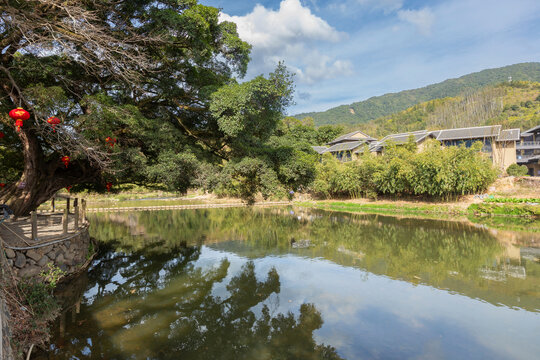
[512, 105]
[379, 106]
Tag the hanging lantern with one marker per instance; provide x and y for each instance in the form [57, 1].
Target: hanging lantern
[53, 121]
[68, 188]
[65, 160]
[19, 115]
[19, 124]
[2, 135]
[108, 186]
[2, 185]
[111, 141]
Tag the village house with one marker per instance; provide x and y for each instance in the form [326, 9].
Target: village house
[399, 139]
[528, 150]
[344, 146]
[500, 145]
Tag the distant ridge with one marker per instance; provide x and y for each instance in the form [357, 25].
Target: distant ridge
[377, 106]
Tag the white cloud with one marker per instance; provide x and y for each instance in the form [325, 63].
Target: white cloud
[321, 67]
[423, 19]
[292, 34]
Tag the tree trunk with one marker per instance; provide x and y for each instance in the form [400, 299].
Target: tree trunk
[41, 178]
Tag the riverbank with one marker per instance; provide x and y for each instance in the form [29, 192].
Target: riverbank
[507, 216]
[36, 253]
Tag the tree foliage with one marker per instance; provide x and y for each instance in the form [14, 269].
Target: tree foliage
[157, 76]
[434, 172]
[517, 170]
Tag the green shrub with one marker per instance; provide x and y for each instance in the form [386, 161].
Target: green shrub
[433, 172]
[517, 170]
[39, 297]
[247, 177]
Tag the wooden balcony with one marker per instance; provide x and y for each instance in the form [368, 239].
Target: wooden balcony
[528, 145]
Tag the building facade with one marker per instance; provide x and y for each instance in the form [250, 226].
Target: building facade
[503, 147]
[528, 150]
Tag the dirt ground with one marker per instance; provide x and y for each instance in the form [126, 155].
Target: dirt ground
[517, 187]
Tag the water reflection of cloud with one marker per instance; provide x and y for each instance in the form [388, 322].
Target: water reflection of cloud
[380, 316]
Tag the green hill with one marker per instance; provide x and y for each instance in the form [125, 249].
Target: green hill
[512, 105]
[379, 106]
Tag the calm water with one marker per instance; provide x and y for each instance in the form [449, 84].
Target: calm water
[297, 284]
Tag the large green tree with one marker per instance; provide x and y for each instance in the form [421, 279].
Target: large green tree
[141, 71]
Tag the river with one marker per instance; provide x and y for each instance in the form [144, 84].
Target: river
[292, 283]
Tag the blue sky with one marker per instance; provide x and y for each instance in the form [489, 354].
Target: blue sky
[350, 50]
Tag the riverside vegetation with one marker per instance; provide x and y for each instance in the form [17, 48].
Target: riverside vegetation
[207, 130]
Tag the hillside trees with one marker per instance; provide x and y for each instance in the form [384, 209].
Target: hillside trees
[140, 71]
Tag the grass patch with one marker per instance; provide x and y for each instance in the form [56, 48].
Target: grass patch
[511, 216]
[387, 208]
[505, 200]
[510, 209]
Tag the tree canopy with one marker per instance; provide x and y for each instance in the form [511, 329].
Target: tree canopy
[158, 76]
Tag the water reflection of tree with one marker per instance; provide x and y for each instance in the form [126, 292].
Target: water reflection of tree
[162, 307]
[443, 254]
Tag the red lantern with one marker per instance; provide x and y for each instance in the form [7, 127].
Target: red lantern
[19, 124]
[19, 115]
[2, 135]
[53, 121]
[68, 188]
[65, 160]
[108, 186]
[2, 185]
[111, 141]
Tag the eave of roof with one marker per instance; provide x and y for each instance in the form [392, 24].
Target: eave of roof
[531, 131]
[469, 133]
[345, 146]
[347, 137]
[319, 149]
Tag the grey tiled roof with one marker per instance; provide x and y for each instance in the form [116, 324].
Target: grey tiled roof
[347, 137]
[509, 135]
[319, 149]
[470, 133]
[404, 137]
[530, 131]
[350, 145]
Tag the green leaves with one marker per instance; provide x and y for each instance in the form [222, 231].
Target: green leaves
[434, 172]
[248, 113]
[176, 171]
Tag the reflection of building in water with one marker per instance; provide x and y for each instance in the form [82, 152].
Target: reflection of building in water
[355, 254]
[300, 244]
[515, 271]
[514, 253]
[532, 254]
